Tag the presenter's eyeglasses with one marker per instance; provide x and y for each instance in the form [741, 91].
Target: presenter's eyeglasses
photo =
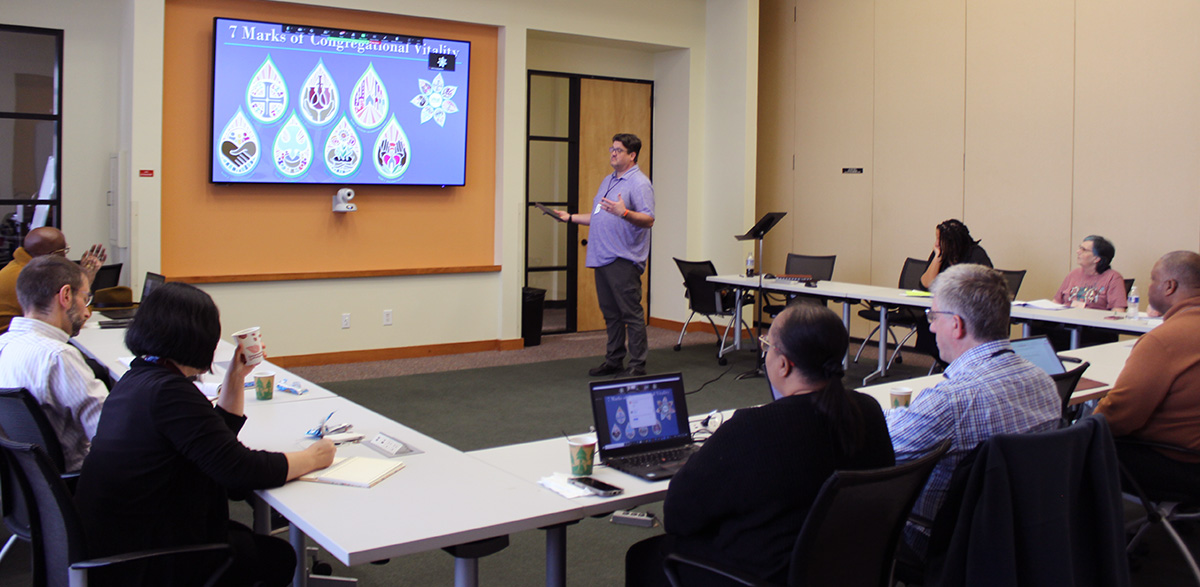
[617, 150]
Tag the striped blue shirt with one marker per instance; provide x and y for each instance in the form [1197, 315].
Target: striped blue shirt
[988, 390]
[36, 355]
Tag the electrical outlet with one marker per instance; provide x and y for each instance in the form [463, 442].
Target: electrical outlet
[346, 320]
[387, 317]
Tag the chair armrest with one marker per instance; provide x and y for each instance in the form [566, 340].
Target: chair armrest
[97, 563]
[1069, 359]
[674, 562]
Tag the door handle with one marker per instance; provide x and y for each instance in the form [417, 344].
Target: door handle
[583, 242]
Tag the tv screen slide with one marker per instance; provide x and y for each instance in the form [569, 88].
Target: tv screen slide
[315, 105]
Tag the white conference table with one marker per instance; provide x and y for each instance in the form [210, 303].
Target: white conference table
[891, 297]
[442, 498]
[1106, 362]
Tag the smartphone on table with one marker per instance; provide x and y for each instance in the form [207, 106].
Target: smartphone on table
[596, 486]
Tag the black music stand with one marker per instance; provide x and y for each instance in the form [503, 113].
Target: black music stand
[757, 232]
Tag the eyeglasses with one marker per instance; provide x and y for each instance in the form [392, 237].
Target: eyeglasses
[931, 315]
[89, 299]
[617, 150]
[61, 252]
[764, 344]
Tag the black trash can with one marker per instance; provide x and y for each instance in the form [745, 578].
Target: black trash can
[533, 301]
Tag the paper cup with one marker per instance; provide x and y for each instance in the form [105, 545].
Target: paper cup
[249, 343]
[264, 385]
[583, 453]
[901, 396]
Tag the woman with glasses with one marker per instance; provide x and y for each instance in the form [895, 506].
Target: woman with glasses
[164, 458]
[741, 500]
[1094, 284]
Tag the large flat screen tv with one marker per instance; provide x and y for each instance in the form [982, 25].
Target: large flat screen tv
[308, 104]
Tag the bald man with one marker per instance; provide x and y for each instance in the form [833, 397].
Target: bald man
[1157, 395]
[45, 240]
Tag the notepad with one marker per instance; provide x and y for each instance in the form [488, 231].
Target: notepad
[355, 472]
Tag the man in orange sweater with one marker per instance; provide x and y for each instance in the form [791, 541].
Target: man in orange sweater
[1157, 395]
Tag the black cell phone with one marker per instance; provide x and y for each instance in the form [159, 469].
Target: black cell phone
[597, 487]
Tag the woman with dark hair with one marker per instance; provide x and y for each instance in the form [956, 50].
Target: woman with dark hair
[1094, 284]
[742, 498]
[952, 244]
[164, 458]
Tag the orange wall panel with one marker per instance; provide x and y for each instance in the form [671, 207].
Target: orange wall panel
[214, 232]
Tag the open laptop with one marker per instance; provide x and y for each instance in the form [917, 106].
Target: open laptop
[642, 425]
[1039, 351]
[152, 281]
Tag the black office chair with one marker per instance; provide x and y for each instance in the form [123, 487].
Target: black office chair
[1014, 279]
[820, 268]
[59, 547]
[1163, 507]
[910, 318]
[851, 532]
[22, 418]
[107, 276]
[1128, 285]
[709, 299]
[1066, 383]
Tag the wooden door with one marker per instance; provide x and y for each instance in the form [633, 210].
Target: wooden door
[606, 108]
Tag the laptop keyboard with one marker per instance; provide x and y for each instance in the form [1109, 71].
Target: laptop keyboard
[657, 457]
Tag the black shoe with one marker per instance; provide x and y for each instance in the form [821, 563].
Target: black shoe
[605, 369]
[633, 372]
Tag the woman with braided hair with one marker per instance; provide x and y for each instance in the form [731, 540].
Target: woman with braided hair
[741, 499]
[952, 244]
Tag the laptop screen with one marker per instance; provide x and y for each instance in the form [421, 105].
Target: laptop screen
[1040, 352]
[153, 280]
[640, 414]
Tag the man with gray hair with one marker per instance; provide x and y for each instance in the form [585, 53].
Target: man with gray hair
[35, 354]
[987, 389]
[1156, 397]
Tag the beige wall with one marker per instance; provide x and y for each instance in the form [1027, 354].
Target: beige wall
[1036, 122]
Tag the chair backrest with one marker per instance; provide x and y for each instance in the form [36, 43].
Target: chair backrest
[820, 268]
[1128, 284]
[910, 274]
[851, 532]
[107, 276]
[1014, 279]
[703, 297]
[1066, 382]
[23, 420]
[58, 538]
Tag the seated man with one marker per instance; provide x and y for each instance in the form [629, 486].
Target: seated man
[34, 353]
[741, 499]
[987, 390]
[1157, 395]
[45, 240]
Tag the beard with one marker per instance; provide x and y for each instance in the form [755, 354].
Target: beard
[77, 320]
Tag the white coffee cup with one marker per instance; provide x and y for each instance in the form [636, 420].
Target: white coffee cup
[249, 343]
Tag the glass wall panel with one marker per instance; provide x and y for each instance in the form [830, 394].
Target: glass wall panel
[25, 148]
[548, 166]
[28, 70]
[549, 106]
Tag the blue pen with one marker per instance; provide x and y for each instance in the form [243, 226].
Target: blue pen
[319, 431]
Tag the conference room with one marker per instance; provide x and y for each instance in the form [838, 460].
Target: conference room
[867, 121]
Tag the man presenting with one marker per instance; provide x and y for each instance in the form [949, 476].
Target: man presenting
[987, 389]
[1157, 395]
[35, 354]
[45, 240]
[619, 244]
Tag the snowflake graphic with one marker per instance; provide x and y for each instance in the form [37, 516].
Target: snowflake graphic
[442, 62]
[435, 100]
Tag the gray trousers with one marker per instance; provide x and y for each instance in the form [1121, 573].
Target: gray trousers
[619, 292]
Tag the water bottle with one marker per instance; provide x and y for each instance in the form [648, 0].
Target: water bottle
[1131, 311]
[750, 265]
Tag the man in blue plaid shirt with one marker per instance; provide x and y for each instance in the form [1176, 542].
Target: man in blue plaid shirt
[987, 389]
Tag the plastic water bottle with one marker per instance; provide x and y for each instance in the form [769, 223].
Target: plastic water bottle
[750, 265]
[1131, 311]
